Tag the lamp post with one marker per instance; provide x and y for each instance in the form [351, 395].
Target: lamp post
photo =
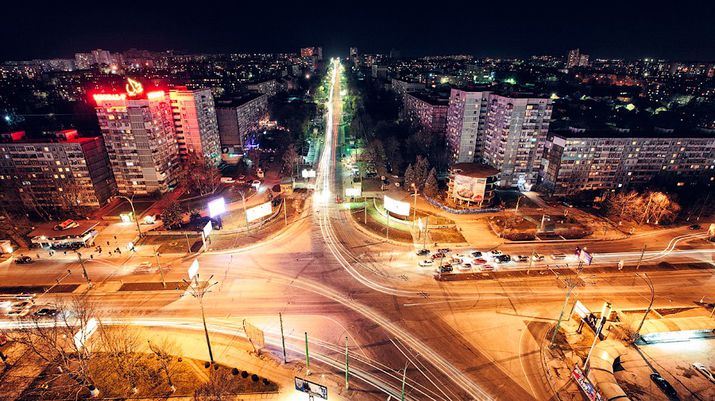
[516, 210]
[650, 305]
[197, 290]
[134, 213]
[414, 204]
[243, 200]
[605, 311]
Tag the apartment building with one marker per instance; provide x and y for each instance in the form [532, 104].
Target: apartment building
[514, 137]
[59, 171]
[466, 124]
[401, 88]
[577, 160]
[139, 134]
[195, 123]
[426, 111]
[239, 117]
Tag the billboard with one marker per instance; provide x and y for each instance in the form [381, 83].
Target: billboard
[207, 229]
[584, 256]
[470, 189]
[193, 269]
[217, 207]
[353, 192]
[397, 207]
[259, 211]
[307, 173]
[311, 388]
[589, 390]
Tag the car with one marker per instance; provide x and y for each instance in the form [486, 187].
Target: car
[705, 371]
[664, 386]
[458, 258]
[66, 225]
[438, 255]
[521, 258]
[477, 254]
[495, 252]
[423, 252]
[426, 263]
[46, 312]
[18, 312]
[502, 258]
[23, 260]
[256, 184]
[558, 256]
[695, 227]
[537, 258]
[464, 267]
[446, 268]
[480, 261]
[486, 267]
[443, 250]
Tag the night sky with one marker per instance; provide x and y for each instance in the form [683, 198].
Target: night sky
[629, 29]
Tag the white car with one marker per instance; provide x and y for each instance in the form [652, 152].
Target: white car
[537, 257]
[426, 263]
[464, 267]
[705, 371]
[520, 258]
[256, 184]
[558, 256]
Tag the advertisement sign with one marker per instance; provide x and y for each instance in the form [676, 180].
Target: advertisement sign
[311, 388]
[217, 207]
[397, 207]
[711, 230]
[193, 269]
[353, 192]
[259, 211]
[589, 390]
[469, 188]
[254, 334]
[581, 310]
[307, 173]
[207, 229]
[584, 256]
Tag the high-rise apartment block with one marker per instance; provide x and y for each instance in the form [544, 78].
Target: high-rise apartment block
[577, 160]
[576, 59]
[138, 131]
[514, 137]
[84, 61]
[426, 111]
[466, 123]
[195, 123]
[239, 117]
[60, 171]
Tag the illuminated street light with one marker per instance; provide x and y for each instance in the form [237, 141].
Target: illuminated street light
[134, 213]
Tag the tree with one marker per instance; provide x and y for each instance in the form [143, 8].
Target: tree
[409, 177]
[164, 351]
[421, 171]
[659, 208]
[290, 159]
[172, 216]
[624, 205]
[392, 154]
[201, 175]
[375, 155]
[120, 345]
[431, 185]
[217, 388]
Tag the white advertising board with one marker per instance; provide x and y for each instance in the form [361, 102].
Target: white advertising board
[193, 269]
[307, 173]
[397, 207]
[353, 192]
[469, 188]
[207, 229]
[217, 207]
[259, 211]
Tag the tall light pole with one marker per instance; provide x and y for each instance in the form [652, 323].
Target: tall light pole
[84, 270]
[414, 205]
[571, 284]
[605, 311]
[243, 200]
[161, 271]
[650, 305]
[516, 210]
[198, 290]
[134, 213]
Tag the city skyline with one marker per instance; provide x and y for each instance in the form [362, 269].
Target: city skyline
[633, 30]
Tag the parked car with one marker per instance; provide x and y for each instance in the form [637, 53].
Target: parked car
[255, 184]
[502, 258]
[495, 252]
[426, 263]
[423, 252]
[705, 371]
[443, 250]
[23, 260]
[464, 267]
[227, 180]
[47, 312]
[480, 261]
[486, 267]
[664, 386]
[537, 257]
[445, 268]
[696, 227]
[521, 258]
[438, 255]
[18, 312]
[558, 256]
[477, 254]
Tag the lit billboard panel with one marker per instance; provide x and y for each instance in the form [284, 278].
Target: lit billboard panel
[397, 207]
[470, 189]
[217, 207]
[259, 211]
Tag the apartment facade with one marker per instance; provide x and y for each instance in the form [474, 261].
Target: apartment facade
[60, 171]
[514, 137]
[580, 160]
[139, 135]
[466, 124]
[427, 112]
[195, 123]
[401, 88]
[239, 117]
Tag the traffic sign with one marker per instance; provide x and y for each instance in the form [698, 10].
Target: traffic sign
[310, 388]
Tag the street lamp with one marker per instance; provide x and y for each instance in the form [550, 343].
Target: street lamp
[516, 210]
[198, 290]
[414, 204]
[134, 213]
[652, 298]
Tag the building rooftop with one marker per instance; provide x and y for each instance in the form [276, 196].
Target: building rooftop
[429, 98]
[629, 133]
[238, 100]
[476, 170]
[64, 136]
[48, 230]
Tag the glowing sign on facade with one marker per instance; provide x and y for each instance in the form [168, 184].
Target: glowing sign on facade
[133, 87]
[103, 97]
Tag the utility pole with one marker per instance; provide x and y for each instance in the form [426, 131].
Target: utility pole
[602, 322]
[404, 378]
[516, 210]
[650, 305]
[188, 244]
[365, 209]
[424, 240]
[243, 200]
[198, 290]
[283, 338]
[347, 365]
[414, 205]
[84, 270]
[134, 213]
[388, 224]
[307, 356]
[285, 211]
[641, 258]
[161, 271]
[571, 284]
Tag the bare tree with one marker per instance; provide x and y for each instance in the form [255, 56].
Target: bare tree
[624, 205]
[290, 158]
[217, 388]
[165, 350]
[201, 175]
[120, 344]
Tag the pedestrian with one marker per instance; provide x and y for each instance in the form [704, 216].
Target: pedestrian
[38, 256]
[107, 243]
[115, 237]
[91, 256]
[65, 252]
